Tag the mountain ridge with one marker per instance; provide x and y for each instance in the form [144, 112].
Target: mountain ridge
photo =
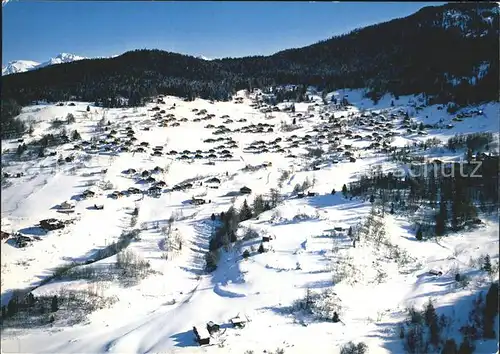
[19, 66]
[438, 50]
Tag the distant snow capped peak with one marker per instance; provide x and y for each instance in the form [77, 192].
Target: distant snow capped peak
[62, 58]
[19, 66]
[203, 57]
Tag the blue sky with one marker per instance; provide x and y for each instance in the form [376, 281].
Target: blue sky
[38, 30]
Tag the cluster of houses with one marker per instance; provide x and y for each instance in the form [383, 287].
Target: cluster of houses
[260, 146]
[256, 128]
[20, 241]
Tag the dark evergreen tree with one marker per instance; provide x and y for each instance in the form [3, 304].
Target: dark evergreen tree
[490, 311]
[487, 263]
[466, 347]
[258, 205]
[431, 320]
[12, 307]
[261, 248]
[232, 236]
[344, 191]
[450, 347]
[419, 235]
[54, 306]
[335, 317]
[441, 218]
[31, 300]
[75, 135]
[245, 211]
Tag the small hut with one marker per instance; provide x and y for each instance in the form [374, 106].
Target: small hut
[66, 205]
[51, 224]
[245, 190]
[202, 335]
[212, 327]
[237, 322]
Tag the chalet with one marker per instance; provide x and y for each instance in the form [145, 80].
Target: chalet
[266, 238]
[212, 327]
[198, 201]
[213, 180]
[88, 194]
[154, 191]
[130, 171]
[172, 152]
[51, 224]
[202, 335]
[158, 169]
[245, 190]
[237, 322]
[300, 195]
[116, 195]
[311, 194]
[98, 207]
[133, 190]
[435, 272]
[150, 179]
[67, 205]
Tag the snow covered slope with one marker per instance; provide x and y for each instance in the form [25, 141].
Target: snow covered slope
[19, 66]
[153, 306]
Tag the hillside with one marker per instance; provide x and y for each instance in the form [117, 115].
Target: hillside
[155, 234]
[449, 52]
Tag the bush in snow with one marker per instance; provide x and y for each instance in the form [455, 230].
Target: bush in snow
[65, 308]
[131, 266]
[323, 306]
[283, 177]
[107, 185]
[351, 348]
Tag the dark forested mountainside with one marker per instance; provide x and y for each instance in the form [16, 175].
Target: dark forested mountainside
[449, 52]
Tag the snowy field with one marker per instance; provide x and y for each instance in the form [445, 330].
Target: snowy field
[156, 313]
